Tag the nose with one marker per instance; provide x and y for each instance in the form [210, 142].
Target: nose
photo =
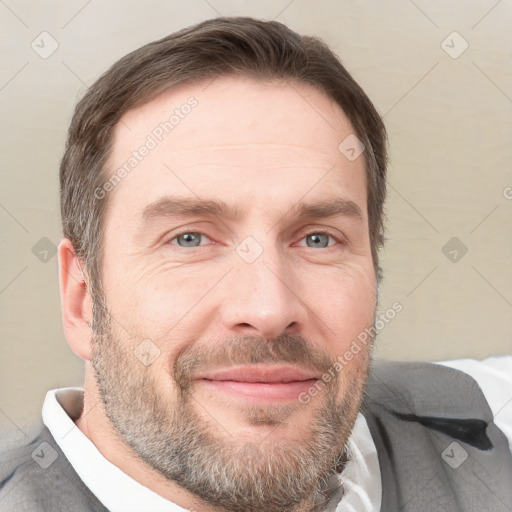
[262, 298]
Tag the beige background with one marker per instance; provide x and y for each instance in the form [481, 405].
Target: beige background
[449, 122]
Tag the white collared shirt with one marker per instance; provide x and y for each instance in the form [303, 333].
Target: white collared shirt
[361, 479]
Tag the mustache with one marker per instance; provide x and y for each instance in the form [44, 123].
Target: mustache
[245, 350]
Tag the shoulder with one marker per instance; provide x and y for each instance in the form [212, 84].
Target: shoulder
[427, 420]
[35, 476]
[434, 389]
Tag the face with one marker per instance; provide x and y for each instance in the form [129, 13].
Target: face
[237, 268]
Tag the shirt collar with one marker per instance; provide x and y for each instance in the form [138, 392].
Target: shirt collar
[114, 488]
[120, 493]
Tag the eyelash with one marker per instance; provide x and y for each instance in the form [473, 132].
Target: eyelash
[337, 239]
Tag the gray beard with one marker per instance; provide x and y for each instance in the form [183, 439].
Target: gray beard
[226, 473]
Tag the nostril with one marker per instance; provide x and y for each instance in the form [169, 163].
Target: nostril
[293, 328]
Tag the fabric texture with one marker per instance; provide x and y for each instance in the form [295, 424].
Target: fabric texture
[438, 450]
[438, 447]
[37, 477]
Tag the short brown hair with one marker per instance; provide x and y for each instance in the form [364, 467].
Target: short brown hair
[216, 47]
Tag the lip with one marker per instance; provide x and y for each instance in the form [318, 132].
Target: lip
[268, 374]
[261, 382]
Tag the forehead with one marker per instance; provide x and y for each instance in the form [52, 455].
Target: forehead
[233, 137]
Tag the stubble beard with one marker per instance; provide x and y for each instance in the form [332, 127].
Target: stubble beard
[271, 474]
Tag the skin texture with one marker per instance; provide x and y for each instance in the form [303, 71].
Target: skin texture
[261, 148]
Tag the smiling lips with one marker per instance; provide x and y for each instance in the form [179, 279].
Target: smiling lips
[267, 383]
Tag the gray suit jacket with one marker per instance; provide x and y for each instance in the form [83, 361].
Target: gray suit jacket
[33, 480]
[438, 448]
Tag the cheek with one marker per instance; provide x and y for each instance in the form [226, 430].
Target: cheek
[344, 302]
[163, 302]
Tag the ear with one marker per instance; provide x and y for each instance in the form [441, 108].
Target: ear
[76, 302]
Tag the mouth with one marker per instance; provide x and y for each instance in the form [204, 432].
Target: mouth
[260, 382]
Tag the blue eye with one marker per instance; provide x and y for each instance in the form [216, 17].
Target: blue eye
[189, 239]
[318, 240]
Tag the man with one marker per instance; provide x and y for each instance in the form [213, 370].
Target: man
[222, 202]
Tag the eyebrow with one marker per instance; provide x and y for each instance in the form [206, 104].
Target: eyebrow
[328, 208]
[188, 207]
